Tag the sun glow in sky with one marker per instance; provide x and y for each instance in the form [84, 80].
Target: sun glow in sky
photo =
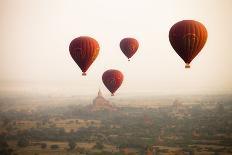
[35, 36]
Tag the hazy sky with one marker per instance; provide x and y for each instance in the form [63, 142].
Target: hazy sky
[35, 35]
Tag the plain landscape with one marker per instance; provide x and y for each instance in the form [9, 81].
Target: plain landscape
[78, 125]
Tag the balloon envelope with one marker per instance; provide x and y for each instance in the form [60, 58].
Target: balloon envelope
[188, 37]
[84, 50]
[129, 46]
[112, 79]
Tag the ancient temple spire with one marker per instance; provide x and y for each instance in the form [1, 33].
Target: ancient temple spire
[99, 93]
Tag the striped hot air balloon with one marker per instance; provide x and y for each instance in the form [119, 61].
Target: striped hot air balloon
[129, 46]
[188, 37]
[112, 79]
[84, 50]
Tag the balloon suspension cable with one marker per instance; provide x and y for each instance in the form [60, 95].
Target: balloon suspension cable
[187, 65]
[112, 94]
[84, 74]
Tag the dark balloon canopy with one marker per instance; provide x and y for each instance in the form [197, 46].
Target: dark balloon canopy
[129, 46]
[112, 79]
[188, 37]
[84, 50]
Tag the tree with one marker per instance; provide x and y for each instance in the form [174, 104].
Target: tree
[43, 145]
[98, 145]
[54, 146]
[6, 121]
[4, 148]
[81, 150]
[192, 152]
[216, 153]
[23, 142]
[72, 144]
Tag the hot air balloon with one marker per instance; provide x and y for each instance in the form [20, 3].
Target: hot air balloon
[129, 46]
[112, 79]
[188, 37]
[84, 51]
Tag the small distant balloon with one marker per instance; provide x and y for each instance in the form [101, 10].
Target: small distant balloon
[129, 46]
[84, 50]
[112, 79]
[187, 38]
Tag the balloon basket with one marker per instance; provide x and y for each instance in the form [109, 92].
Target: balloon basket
[128, 59]
[84, 74]
[187, 66]
[112, 94]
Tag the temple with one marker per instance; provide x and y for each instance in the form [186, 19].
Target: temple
[100, 103]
